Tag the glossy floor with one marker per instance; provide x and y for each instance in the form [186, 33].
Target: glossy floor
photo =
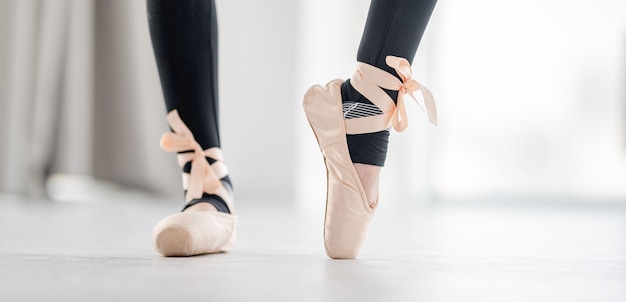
[102, 252]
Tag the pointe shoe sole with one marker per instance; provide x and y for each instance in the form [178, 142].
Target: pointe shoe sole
[194, 233]
[348, 213]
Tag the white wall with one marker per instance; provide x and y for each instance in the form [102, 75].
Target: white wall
[531, 97]
[257, 87]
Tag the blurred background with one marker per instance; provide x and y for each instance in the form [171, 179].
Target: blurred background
[530, 96]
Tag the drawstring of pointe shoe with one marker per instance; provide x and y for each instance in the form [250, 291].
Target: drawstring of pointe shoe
[204, 177]
[368, 79]
[408, 86]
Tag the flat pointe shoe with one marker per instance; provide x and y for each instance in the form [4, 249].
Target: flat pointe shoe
[348, 212]
[198, 232]
[194, 233]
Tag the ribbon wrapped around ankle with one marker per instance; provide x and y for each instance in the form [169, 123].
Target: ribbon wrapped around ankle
[368, 80]
[408, 86]
[204, 178]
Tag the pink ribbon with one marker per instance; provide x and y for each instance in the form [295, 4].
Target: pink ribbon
[408, 86]
[202, 178]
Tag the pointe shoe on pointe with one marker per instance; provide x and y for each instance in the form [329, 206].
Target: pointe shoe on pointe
[198, 232]
[348, 211]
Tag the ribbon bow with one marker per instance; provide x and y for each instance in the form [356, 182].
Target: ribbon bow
[408, 86]
[202, 177]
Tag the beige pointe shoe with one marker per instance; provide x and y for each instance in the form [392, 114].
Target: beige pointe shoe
[348, 212]
[201, 232]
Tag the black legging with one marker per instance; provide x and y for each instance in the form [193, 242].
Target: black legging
[393, 27]
[184, 38]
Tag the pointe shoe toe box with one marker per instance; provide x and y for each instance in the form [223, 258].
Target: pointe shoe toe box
[194, 233]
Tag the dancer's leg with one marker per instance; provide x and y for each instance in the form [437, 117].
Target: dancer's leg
[350, 119]
[393, 27]
[184, 38]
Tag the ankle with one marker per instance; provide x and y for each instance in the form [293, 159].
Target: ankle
[205, 175]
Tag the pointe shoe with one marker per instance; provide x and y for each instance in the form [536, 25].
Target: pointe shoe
[202, 232]
[194, 233]
[348, 212]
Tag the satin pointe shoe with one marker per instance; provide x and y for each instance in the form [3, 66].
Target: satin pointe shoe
[200, 232]
[348, 212]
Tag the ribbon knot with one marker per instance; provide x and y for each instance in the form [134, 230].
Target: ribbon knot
[408, 86]
[202, 178]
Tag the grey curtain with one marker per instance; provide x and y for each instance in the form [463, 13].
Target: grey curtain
[79, 95]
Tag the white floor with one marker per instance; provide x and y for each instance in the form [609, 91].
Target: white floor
[102, 252]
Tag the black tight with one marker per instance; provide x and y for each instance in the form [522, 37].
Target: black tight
[184, 38]
[393, 27]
